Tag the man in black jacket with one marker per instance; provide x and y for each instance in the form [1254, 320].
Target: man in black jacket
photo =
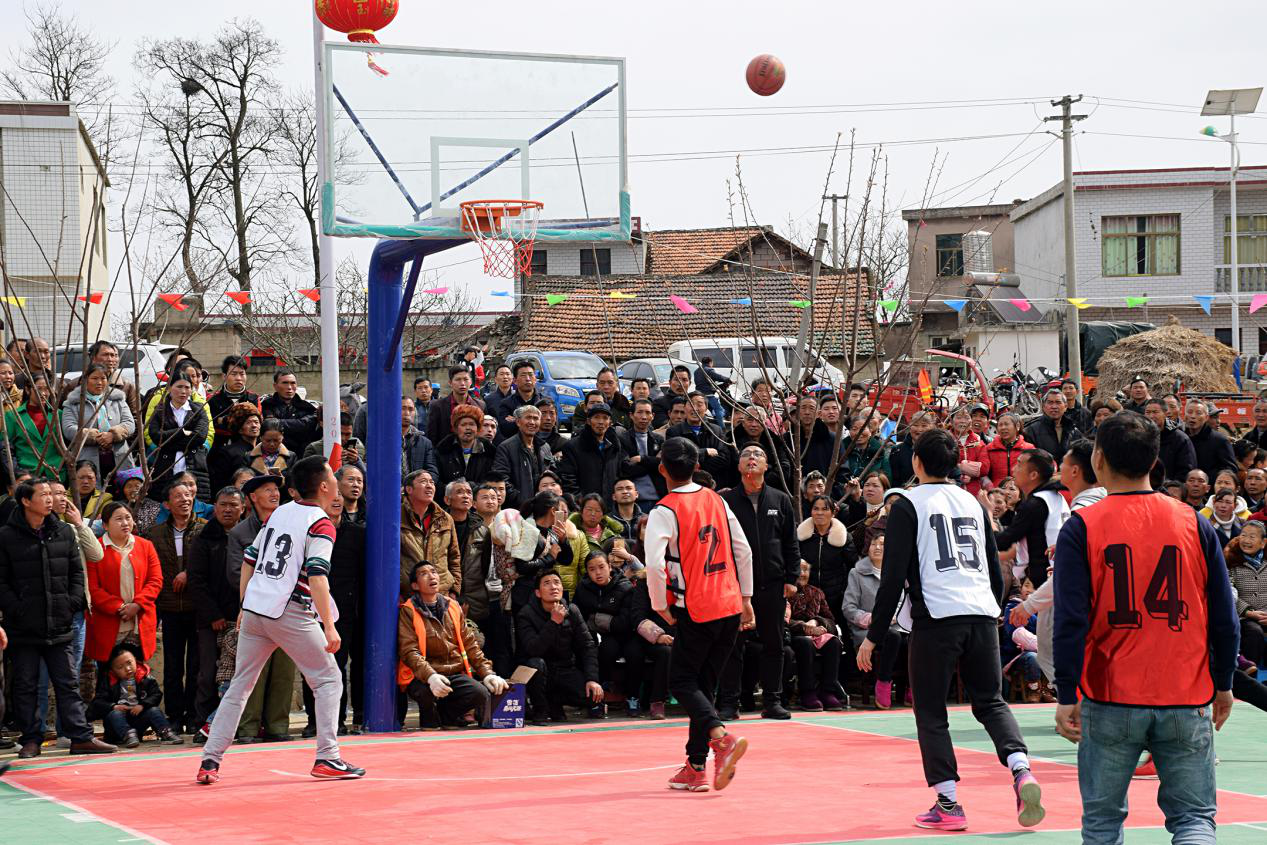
[299, 418]
[215, 600]
[1258, 434]
[640, 458]
[591, 459]
[521, 459]
[768, 518]
[1033, 475]
[552, 638]
[440, 411]
[716, 456]
[1213, 448]
[679, 386]
[1052, 432]
[232, 391]
[524, 393]
[464, 454]
[41, 589]
[1177, 455]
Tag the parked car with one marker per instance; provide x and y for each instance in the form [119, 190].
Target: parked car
[564, 377]
[151, 357]
[745, 359]
[657, 370]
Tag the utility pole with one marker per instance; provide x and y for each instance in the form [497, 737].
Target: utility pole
[807, 314]
[1074, 342]
[835, 228]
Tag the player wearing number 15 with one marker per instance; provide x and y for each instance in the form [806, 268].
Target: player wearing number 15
[1146, 628]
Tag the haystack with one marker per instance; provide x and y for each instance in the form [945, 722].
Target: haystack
[1164, 356]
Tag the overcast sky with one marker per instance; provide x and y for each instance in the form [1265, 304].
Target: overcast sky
[841, 58]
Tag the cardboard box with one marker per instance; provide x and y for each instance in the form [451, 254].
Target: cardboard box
[510, 709]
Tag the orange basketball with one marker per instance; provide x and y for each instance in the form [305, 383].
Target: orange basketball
[765, 74]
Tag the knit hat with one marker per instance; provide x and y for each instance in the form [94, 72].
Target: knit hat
[464, 412]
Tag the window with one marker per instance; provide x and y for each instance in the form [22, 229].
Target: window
[538, 266]
[950, 255]
[721, 357]
[1144, 245]
[1251, 243]
[768, 359]
[1223, 336]
[596, 262]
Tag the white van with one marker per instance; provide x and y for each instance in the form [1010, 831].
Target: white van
[742, 360]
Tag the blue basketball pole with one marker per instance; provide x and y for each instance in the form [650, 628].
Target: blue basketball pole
[383, 492]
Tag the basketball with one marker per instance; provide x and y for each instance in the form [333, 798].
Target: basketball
[765, 74]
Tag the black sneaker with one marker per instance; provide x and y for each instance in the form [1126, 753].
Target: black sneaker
[335, 770]
[309, 731]
[727, 714]
[597, 711]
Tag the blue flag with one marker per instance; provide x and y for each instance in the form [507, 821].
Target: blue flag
[1204, 301]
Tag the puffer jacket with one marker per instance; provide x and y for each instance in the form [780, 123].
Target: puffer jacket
[113, 415]
[443, 653]
[42, 583]
[1001, 458]
[477, 556]
[608, 600]
[610, 528]
[417, 452]
[521, 467]
[454, 465]
[830, 558]
[566, 644]
[437, 542]
[585, 468]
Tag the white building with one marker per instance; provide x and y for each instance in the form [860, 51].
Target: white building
[52, 225]
[1161, 234]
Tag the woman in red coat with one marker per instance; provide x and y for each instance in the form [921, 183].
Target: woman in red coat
[1005, 449]
[124, 585]
[971, 451]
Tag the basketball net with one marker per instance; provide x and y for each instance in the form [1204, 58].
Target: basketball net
[505, 231]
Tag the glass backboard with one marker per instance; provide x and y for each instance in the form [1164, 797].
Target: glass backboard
[441, 127]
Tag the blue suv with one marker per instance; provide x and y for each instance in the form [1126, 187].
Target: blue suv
[564, 377]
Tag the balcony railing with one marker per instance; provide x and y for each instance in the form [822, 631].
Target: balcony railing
[1253, 278]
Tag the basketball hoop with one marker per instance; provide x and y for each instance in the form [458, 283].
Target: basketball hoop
[505, 230]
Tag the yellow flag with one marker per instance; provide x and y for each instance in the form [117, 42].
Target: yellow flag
[1079, 303]
[620, 294]
[19, 301]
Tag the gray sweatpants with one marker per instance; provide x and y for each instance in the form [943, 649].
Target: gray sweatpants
[298, 633]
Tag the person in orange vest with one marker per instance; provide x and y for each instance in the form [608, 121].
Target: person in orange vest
[441, 665]
[699, 578]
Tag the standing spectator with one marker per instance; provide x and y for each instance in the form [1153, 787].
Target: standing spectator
[214, 598]
[232, 393]
[552, 638]
[716, 456]
[769, 525]
[41, 589]
[88, 490]
[1052, 432]
[352, 490]
[900, 457]
[416, 450]
[347, 588]
[1255, 488]
[235, 446]
[498, 391]
[1110, 653]
[1222, 515]
[1213, 448]
[1038, 518]
[123, 587]
[1258, 434]
[625, 510]
[870, 452]
[640, 458]
[826, 547]
[1196, 487]
[763, 398]
[423, 393]
[549, 433]
[859, 602]
[97, 423]
[31, 427]
[10, 398]
[1002, 453]
[440, 411]
[750, 428]
[525, 393]
[1138, 395]
[427, 533]
[189, 370]
[1076, 415]
[176, 607]
[708, 382]
[980, 413]
[523, 458]
[1177, 455]
[300, 422]
[591, 460]
[178, 428]
[679, 387]
[464, 454]
[106, 354]
[482, 586]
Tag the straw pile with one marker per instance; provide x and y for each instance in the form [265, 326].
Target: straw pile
[1166, 355]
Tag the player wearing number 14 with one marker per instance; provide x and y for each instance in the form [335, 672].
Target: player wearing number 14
[1146, 628]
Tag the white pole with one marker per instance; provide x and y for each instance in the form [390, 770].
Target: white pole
[1236, 273]
[325, 246]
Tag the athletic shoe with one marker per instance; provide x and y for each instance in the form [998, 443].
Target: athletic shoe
[726, 753]
[831, 702]
[689, 779]
[810, 702]
[335, 770]
[1029, 808]
[657, 711]
[726, 714]
[943, 818]
[1147, 769]
[171, 738]
[208, 772]
[884, 694]
[597, 711]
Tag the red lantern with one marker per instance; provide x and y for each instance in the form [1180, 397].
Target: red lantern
[359, 19]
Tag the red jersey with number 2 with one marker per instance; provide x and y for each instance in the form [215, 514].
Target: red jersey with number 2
[1148, 645]
[708, 584]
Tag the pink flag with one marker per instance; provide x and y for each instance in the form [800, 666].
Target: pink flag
[1259, 300]
[1022, 304]
[682, 305]
[436, 291]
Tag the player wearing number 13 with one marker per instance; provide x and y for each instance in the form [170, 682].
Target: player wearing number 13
[1146, 628]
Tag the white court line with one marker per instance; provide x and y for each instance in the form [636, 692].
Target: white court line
[139, 836]
[493, 777]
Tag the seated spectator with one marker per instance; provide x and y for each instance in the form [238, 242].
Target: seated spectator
[549, 483]
[1223, 516]
[619, 555]
[655, 642]
[864, 582]
[625, 509]
[1248, 569]
[127, 700]
[826, 547]
[270, 455]
[553, 639]
[236, 444]
[427, 533]
[441, 665]
[123, 587]
[97, 423]
[88, 490]
[1019, 647]
[482, 588]
[465, 453]
[594, 524]
[817, 647]
[602, 596]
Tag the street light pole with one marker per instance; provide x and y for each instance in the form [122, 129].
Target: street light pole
[1236, 272]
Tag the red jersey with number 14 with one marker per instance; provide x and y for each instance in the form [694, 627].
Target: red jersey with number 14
[702, 573]
[1148, 645]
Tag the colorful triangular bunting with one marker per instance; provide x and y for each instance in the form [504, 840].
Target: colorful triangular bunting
[742, 300]
[173, 299]
[436, 291]
[1021, 304]
[1078, 302]
[312, 293]
[555, 298]
[94, 298]
[889, 305]
[1136, 301]
[957, 304]
[682, 305]
[620, 294]
[1258, 301]
[799, 303]
[241, 297]
[1204, 300]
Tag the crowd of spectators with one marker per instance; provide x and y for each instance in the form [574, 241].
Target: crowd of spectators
[126, 517]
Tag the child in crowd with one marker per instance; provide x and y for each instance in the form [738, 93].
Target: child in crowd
[127, 700]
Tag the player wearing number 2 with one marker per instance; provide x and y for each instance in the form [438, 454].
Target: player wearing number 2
[939, 547]
[1146, 628]
[699, 578]
[286, 604]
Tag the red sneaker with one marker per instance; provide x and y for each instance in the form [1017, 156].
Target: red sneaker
[1146, 769]
[726, 753]
[690, 779]
[208, 772]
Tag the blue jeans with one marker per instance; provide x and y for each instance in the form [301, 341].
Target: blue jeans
[1181, 740]
[80, 629]
[117, 723]
[714, 405]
